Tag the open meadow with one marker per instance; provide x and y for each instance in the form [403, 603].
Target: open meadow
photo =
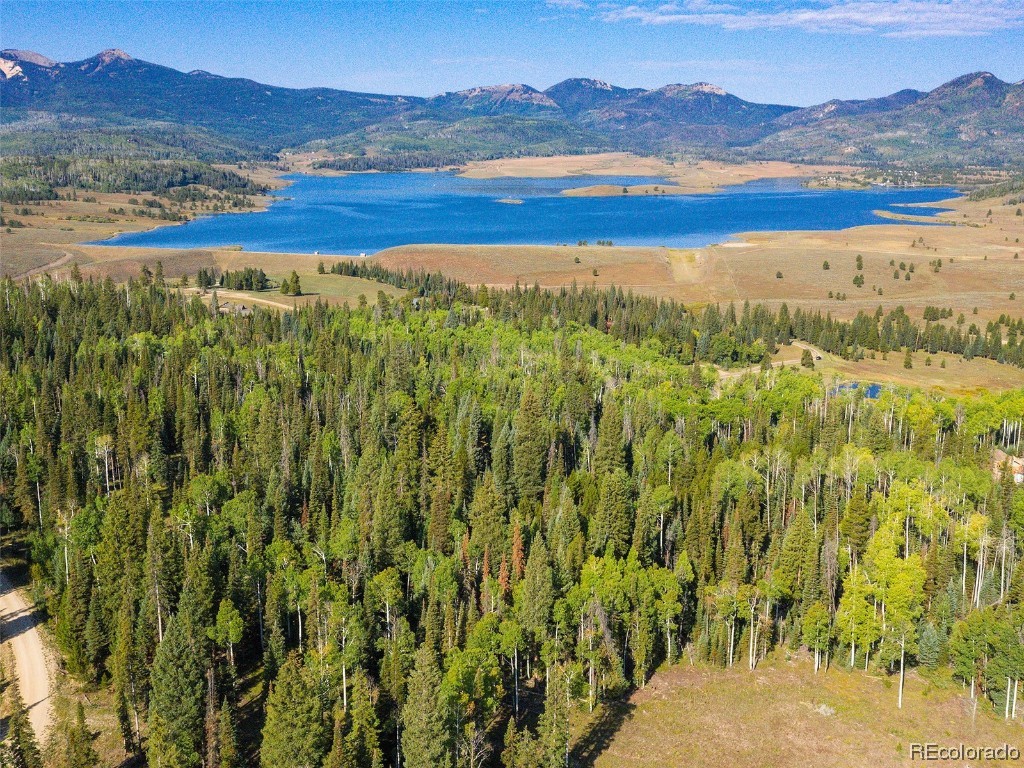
[784, 714]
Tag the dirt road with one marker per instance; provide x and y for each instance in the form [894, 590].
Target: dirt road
[19, 629]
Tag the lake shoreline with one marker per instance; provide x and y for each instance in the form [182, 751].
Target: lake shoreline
[363, 214]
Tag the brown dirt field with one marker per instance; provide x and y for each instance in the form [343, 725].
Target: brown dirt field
[977, 252]
[600, 164]
[644, 269]
[268, 174]
[782, 715]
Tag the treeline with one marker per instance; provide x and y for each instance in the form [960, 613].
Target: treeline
[397, 161]
[1001, 189]
[36, 178]
[438, 526]
[392, 161]
[723, 336]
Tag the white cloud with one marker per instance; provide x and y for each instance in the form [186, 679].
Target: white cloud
[892, 18]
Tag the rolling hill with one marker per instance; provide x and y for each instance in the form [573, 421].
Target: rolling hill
[977, 118]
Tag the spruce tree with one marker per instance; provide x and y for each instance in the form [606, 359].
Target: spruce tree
[613, 523]
[176, 703]
[426, 743]
[529, 444]
[71, 743]
[227, 739]
[294, 735]
[609, 455]
[536, 592]
[22, 747]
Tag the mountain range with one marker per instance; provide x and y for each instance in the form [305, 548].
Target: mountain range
[113, 100]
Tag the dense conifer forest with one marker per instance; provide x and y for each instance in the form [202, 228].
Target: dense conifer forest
[439, 527]
[24, 179]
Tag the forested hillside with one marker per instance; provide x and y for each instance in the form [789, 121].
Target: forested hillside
[438, 527]
[113, 104]
[25, 179]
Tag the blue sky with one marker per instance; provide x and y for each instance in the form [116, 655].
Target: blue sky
[789, 51]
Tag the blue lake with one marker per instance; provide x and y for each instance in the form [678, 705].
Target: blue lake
[364, 213]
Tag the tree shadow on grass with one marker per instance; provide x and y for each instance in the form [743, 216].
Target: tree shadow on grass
[600, 733]
[251, 711]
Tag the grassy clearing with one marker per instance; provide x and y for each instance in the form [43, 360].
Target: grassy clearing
[53, 230]
[958, 377]
[334, 289]
[979, 268]
[784, 715]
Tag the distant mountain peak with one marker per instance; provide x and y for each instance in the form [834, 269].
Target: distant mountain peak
[709, 88]
[111, 59]
[503, 89]
[976, 115]
[504, 93]
[679, 89]
[31, 57]
[973, 80]
[113, 54]
[589, 82]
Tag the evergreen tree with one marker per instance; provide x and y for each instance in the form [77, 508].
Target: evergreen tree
[294, 734]
[71, 743]
[529, 444]
[176, 702]
[426, 739]
[536, 594]
[609, 454]
[612, 525]
[357, 732]
[227, 739]
[22, 749]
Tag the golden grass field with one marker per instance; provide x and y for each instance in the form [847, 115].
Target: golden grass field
[685, 177]
[978, 252]
[958, 377]
[782, 714]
